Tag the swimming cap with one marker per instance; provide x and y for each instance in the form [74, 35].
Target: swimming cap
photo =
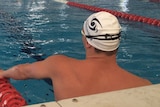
[102, 31]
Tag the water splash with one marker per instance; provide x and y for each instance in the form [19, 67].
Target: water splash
[61, 1]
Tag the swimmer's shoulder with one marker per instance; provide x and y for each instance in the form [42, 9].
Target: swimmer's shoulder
[147, 82]
[59, 57]
[62, 59]
[134, 79]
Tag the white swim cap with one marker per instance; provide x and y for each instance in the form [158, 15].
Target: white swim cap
[102, 31]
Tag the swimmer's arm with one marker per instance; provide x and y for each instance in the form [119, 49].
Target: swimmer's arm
[37, 70]
[15, 72]
[25, 71]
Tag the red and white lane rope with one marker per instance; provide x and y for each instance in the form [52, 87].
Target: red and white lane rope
[124, 15]
[9, 96]
[132, 17]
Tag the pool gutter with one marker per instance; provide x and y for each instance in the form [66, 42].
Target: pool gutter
[146, 96]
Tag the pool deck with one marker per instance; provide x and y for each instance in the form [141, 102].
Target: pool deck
[146, 96]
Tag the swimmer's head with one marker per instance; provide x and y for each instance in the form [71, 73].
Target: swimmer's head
[102, 31]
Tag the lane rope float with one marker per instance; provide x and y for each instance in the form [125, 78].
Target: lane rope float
[132, 17]
[9, 96]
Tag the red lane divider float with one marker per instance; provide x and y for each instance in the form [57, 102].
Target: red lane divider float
[124, 15]
[9, 97]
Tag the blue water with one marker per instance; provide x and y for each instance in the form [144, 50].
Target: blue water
[31, 30]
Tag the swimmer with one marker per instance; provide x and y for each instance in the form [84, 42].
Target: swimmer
[97, 73]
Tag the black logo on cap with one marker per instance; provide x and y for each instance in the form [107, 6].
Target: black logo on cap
[93, 25]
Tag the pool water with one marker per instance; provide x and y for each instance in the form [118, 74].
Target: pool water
[31, 30]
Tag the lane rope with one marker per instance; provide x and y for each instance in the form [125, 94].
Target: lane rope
[9, 96]
[132, 17]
